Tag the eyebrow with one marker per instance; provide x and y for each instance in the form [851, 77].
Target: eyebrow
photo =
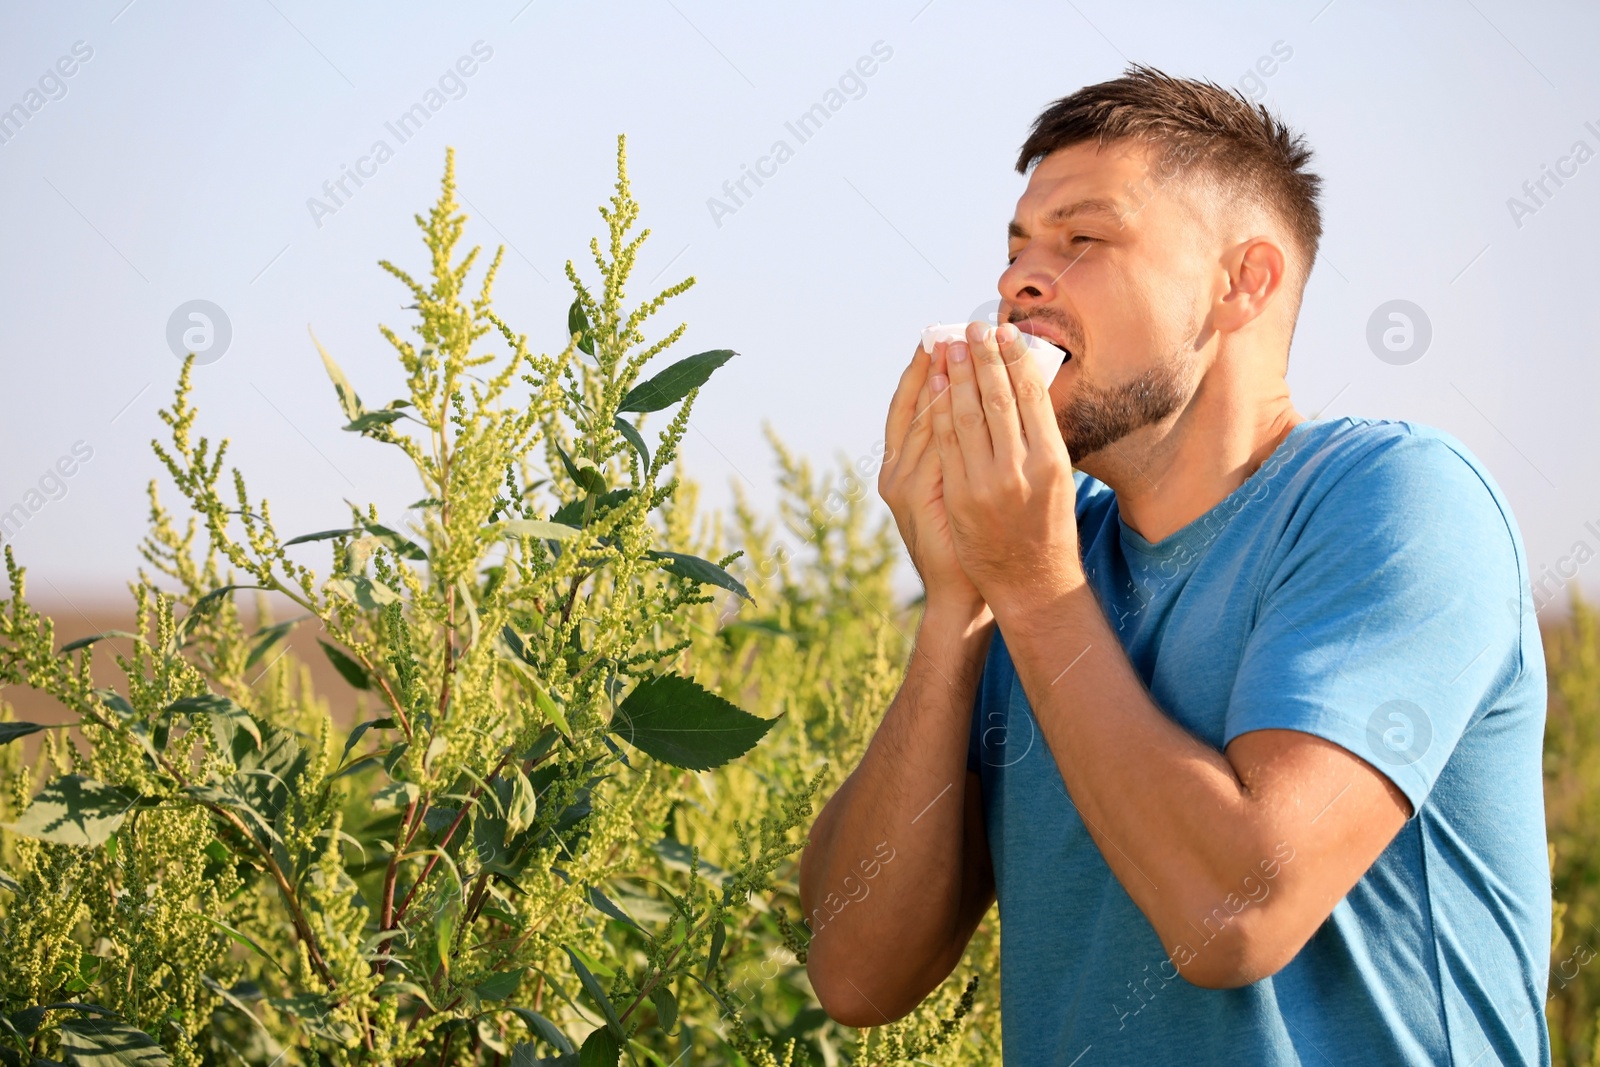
[1094, 205]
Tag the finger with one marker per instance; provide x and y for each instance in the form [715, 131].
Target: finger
[995, 393]
[902, 406]
[921, 429]
[966, 407]
[1030, 388]
[945, 439]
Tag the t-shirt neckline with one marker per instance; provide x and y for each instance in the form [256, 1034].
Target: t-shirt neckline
[1184, 537]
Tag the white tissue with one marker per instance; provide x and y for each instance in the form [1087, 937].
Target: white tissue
[1045, 354]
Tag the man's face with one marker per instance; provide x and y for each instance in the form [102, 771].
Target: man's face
[1114, 259]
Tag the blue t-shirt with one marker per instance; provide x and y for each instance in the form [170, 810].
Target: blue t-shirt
[1367, 585]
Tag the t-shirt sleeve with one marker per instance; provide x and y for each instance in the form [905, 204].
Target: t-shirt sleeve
[1385, 626]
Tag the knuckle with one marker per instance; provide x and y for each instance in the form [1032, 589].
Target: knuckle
[1030, 390]
[949, 439]
[999, 400]
[970, 420]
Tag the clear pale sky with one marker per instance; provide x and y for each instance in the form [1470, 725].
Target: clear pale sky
[177, 160]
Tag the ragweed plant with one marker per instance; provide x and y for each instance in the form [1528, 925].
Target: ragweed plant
[489, 864]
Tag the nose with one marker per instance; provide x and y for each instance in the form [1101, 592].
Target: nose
[1027, 283]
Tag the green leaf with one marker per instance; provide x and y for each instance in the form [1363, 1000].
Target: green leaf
[699, 570]
[674, 383]
[597, 993]
[548, 1032]
[76, 811]
[587, 476]
[320, 535]
[244, 939]
[269, 636]
[537, 528]
[679, 722]
[85, 642]
[578, 323]
[348, 669]
[363, 591]
[397, 543]
[395, 795]
[571, 512]
[523, 805]
[609, 907]
[600, 1049]
[10, 731]
[500, 986]
[103, 1043]
[666, 1008]
[719, 935]
[359, 731]
[676, 856]
[231, 725]
[349, 402]
[368, 419]
[635, 438]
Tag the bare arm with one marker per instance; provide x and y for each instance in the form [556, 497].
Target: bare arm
[897, 875]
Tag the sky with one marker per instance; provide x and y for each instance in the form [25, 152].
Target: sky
[178, 152]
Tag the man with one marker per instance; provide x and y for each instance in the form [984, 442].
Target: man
[1233, 718]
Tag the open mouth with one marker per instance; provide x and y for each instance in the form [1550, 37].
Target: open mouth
[1027, 328]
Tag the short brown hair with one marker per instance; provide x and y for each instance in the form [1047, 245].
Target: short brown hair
[1222, 136]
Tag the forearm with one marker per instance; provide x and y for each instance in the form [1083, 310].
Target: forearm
[1171, 816]
[882, 876]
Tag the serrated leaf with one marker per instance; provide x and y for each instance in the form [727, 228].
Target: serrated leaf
[600, 1049]
[103, 1043]
[674, 383]
[597, 993]
[74, 810]
[500, 986]
[85, 642]
[348, 669]
[635, 438]
[699, 570]
[523, 805]
[679, 722]
[538, 528]
[349, 402]
[578, 323]
[10, 731]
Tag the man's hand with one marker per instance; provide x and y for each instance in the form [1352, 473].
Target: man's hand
[1007, 476]
[912, 484]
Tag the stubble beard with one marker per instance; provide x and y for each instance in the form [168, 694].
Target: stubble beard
[1094, 418]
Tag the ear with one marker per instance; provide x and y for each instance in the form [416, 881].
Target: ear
[1256, 269]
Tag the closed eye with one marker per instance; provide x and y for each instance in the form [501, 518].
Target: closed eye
[1077, 237]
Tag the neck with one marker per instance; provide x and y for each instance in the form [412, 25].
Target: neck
[1168, 474]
